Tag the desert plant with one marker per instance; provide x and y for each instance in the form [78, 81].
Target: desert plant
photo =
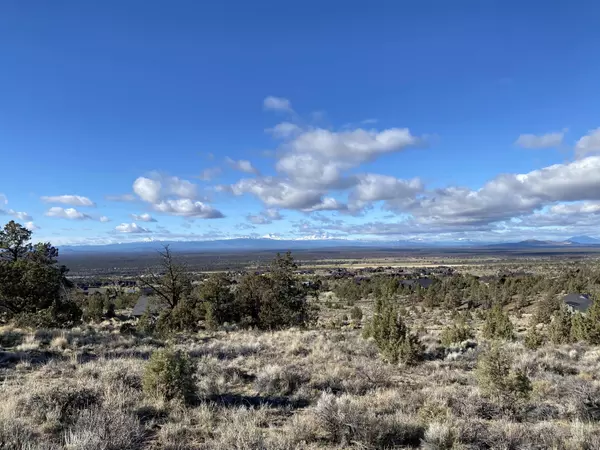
[533, 339]
[546, 308]
[458, 332]
[559, 330]
[496, 378]
[393, 338]
[93, 310]
[169, 375]
[356, 314]
[497, 324]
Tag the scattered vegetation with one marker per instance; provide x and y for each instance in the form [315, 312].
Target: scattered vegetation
[243, 360]
[169, 375]
[393, 338]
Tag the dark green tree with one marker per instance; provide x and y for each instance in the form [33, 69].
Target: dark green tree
[31, 280]
[218, 300]
[285, 303]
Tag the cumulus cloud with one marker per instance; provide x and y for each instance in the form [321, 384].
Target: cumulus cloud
[242, 165]
[275, 193]
[31, 226]
[143, 217]
[132, 228]
[66, 213]
[511, 195]
[157, 187]
[277, 104]
[588, 144]
[174, 196]
[373, 187]
[548, 140]
[72, 200]
[327, 204]
[19, 215]
[311, 162]
[188, 208]
[104, 219]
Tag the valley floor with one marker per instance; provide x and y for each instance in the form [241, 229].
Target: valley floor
[293, 389]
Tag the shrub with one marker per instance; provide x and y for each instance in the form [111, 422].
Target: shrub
[559, 330]
[497, 325]
[546, 308]
[496, 378]
[11, 338]
[61, 314]
[393, 338]
[587, 327]
[146, 324]
[104, 429]
[356, 314]
[169, 375]
[277, 380]
[93, 310]
[533, 339]
[349, 291]
[183, 317]
[456, 333]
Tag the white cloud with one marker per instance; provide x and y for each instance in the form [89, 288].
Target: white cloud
[511, 195]
[66, 213]
[277, 104]
[104, 219]
[548, 140]
[576, 208]
[3, 199]
[242, 165]
[373, 187]
[318, 157]
[31, 226]
[72, 200]
[157, 187]
[327, 204]
[121, 198]
[174, 196]
[133, 228]
[143, 217]
[210, 173]
[277, 193]
[187, 208]
[589, 144]
[20, 215]
[284, 130]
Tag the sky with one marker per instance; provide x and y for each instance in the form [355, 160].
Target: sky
[126, 121]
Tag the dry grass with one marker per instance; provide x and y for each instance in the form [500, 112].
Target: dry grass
[295, 389]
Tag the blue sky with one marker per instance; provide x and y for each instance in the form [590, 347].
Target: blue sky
[432, 120]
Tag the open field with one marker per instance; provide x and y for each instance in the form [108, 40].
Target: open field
[479, 363]
[111, 264]
[325, 387]
[293, 389]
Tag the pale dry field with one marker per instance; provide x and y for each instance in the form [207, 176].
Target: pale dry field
[324, 388]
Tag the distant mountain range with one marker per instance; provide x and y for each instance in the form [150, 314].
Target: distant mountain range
[576, 241]
[257, 244]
